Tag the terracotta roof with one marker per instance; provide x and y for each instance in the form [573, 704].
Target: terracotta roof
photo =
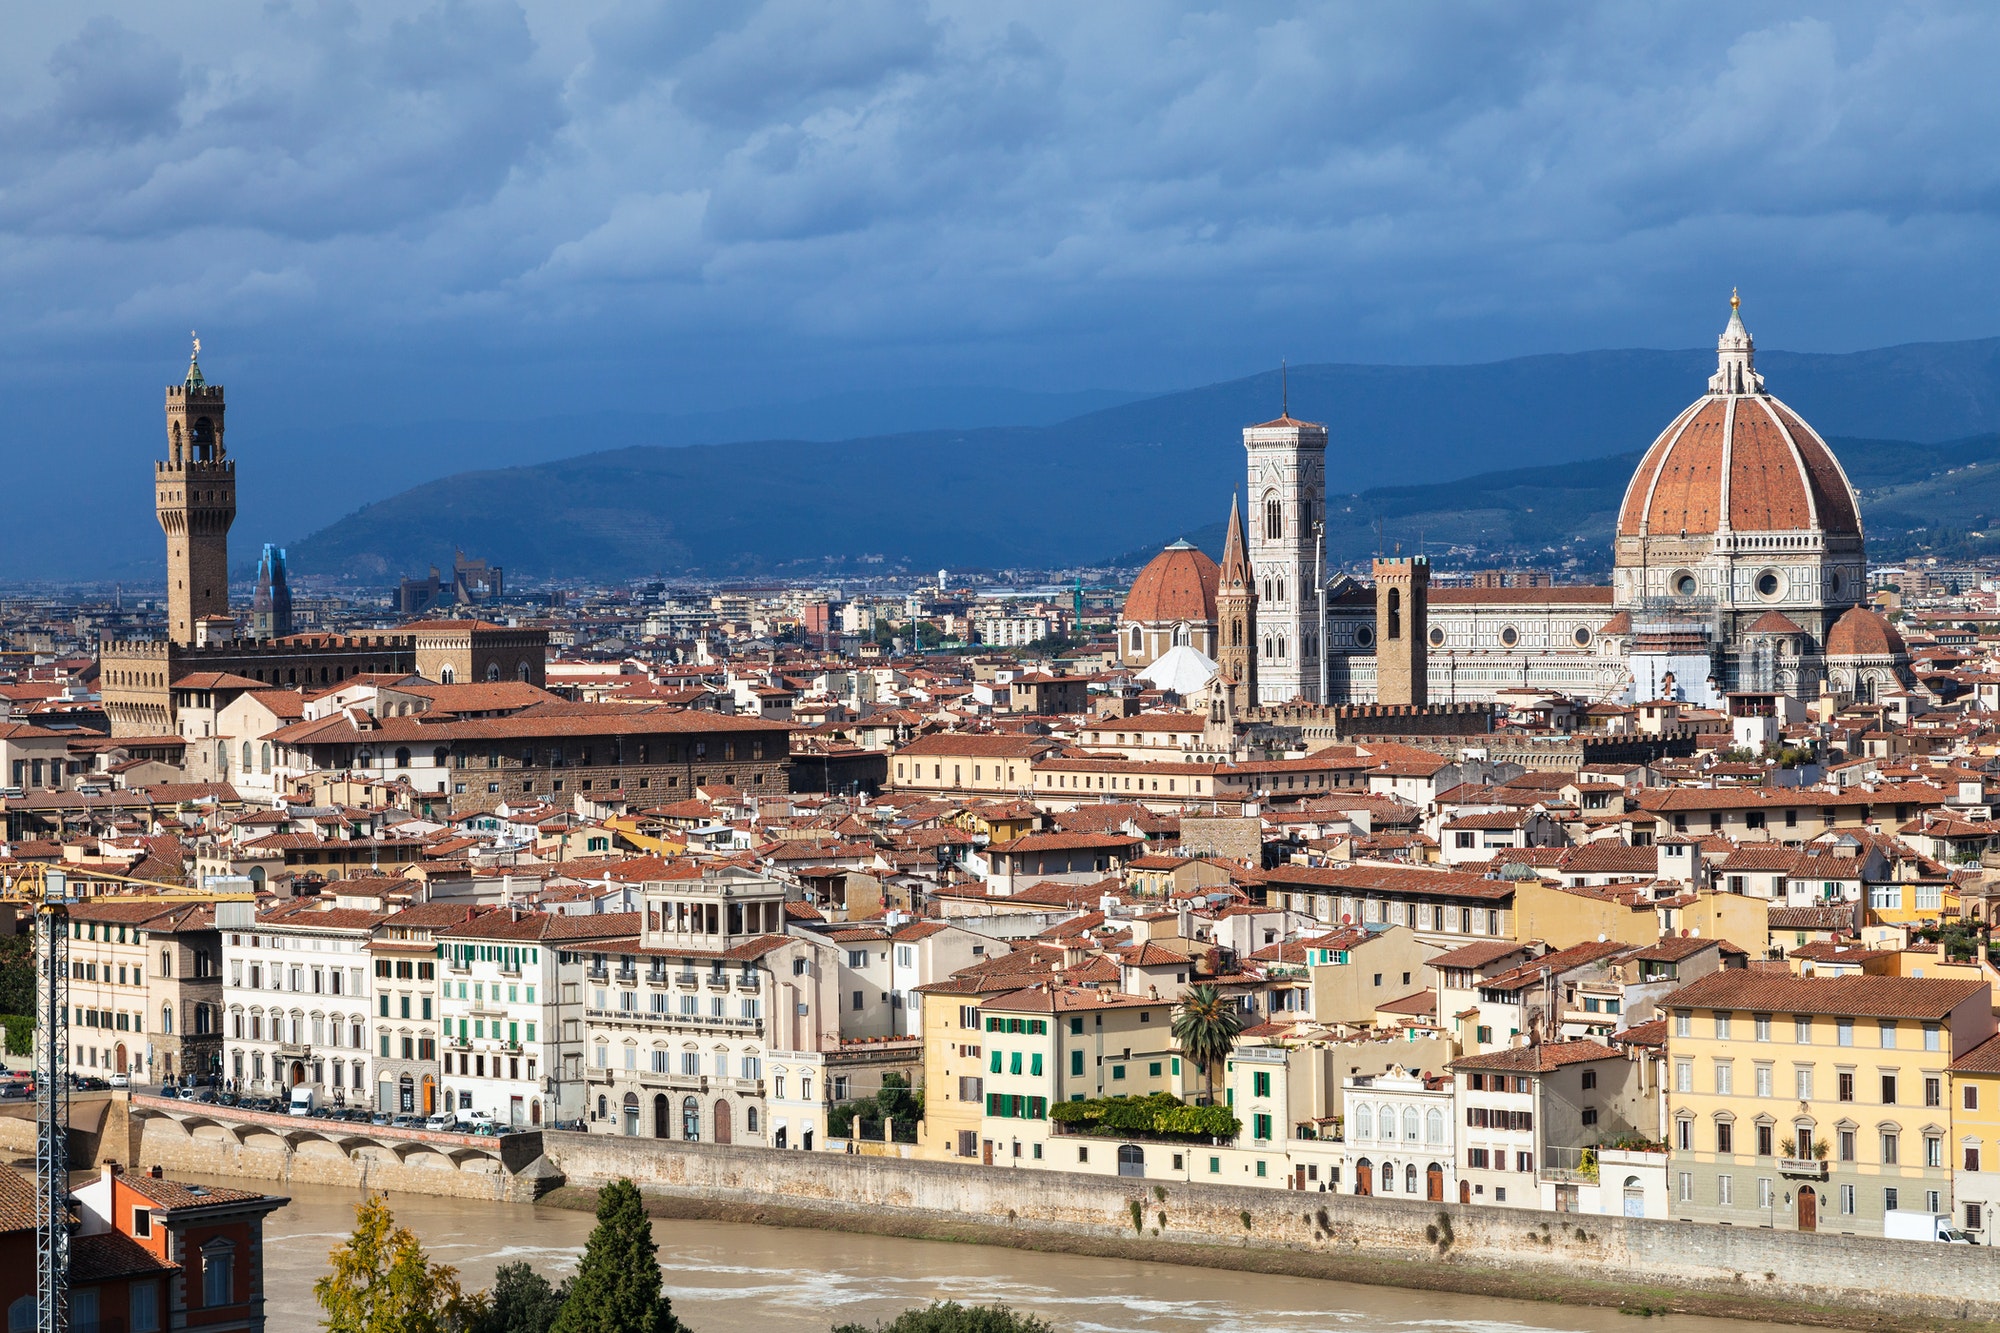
[1981, 1059]
[1539, 1059]
[1775, 473]
[1392, 879]
[1774, 622]
[1862, 633]
[977, 745]
[1178, 584]
[1877, 997]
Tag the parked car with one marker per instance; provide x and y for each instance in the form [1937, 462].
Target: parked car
[441, 1123]
[120, 1081]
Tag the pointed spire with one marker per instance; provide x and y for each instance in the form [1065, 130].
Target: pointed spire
[1235, 560]
[1735, 355]
[194, 379]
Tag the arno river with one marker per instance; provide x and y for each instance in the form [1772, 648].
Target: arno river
[727, 1278]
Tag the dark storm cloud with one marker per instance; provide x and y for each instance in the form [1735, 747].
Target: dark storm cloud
[1104, 193]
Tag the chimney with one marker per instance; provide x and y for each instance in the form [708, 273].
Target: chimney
[157, 1172]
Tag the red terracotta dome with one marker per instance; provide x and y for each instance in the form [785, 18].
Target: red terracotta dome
[1178, 584]
[1738, 459]
[1863, 633]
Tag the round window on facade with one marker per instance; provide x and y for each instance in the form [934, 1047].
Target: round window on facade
[1684, 584]
[1364, 636]
[1436, 637]
[1509, 637]
[1769, 584]
[1581, 637]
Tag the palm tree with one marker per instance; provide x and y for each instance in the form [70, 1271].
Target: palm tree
[1206, 1024]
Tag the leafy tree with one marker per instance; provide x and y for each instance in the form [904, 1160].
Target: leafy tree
[522, 1301]
[951, 1317]
[894, 1101]
[1206, 1024]
[17, 974]
[617, 1286]
[382, 1283]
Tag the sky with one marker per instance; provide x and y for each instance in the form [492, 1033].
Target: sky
[494, 210]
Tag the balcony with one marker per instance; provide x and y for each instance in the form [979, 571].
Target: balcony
[293, 1050]
[1568, 1166]
[750, 983]
[670, 1022]
[1804, 1168]
[718, 981]
[628, 976]
[687, 978]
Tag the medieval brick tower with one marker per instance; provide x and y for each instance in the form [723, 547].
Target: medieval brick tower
[1236, 614]
[194, 494]
[1402, 631]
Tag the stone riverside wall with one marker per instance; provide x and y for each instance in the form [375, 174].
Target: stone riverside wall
[1747, 1263]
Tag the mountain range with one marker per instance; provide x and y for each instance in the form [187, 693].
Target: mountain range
[1518, 459]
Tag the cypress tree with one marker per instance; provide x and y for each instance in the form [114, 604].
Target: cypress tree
[617, 1286]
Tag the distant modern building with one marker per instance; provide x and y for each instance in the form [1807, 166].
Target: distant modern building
[271, 611]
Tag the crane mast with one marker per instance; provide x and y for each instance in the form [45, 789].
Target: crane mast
[52, 1112]
[51, 893]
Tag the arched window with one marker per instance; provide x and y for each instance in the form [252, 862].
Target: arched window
[1235, 634]
[1434, 1126]
[1136, 644]
[402, 756]
[1364, 1123]
[492, 671]
[21, 1316]
[440, 755]
[690, 1119]
[447, 674]
[167, 1019]
[264, 758]
[1410, 1126]
[246, 756]
[1395, 630]
[1274, 519]
[1410, 1178]
[521, 670]
[222, 758]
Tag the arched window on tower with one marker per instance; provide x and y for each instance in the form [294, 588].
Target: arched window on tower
[1274, 519]
[1236, 634]
[1395, 613]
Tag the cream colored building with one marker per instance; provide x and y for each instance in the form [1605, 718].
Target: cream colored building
[1816, 1103]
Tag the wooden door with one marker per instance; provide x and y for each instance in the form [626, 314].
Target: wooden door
[1465, 1191]
[1364, 1177]
[1434, 1183]
[1808, 1209]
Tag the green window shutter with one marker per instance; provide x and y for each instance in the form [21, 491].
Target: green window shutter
[514, 1032]
[996, 1063]
[1076, 1027]
[1076, 1064]
[1035, 1063]
[531, 1032]
[1014, 1062]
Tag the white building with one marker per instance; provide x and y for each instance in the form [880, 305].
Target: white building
[681, 1016]
[296, 999]
[512, 1009]
[1400, 1136]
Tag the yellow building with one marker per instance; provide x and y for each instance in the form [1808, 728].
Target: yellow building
[1815, 1103]
[1975, 1136]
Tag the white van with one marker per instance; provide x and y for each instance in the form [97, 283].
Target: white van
[302, 1101]
[1909, 1224]
[474, 1119]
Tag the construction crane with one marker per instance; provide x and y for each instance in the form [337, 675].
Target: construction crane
[50, 891]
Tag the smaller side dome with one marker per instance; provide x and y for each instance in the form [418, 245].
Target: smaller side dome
[1178, 584]
[1864, 633]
